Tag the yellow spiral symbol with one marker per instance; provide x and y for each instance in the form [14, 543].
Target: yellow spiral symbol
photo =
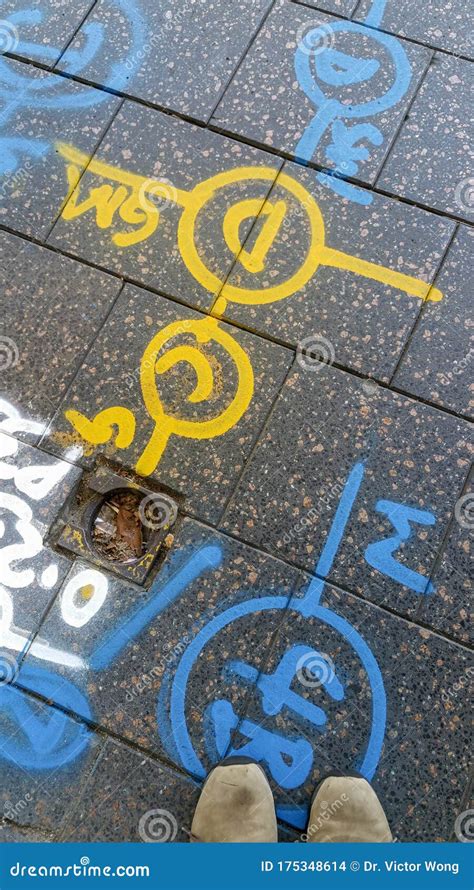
[205, 331]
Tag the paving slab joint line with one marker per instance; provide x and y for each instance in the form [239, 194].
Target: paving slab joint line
[404, 38]
[444, 542]
[105, 733]
[94, 3]
[239, 138]
[424, 307]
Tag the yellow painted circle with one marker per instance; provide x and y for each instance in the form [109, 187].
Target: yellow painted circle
[204, 192]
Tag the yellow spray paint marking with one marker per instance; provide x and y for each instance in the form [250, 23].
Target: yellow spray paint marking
[253, 261]
[86, 592]
[101, 428]
[128, 198]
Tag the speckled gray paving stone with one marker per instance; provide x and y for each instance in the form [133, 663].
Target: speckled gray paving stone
[118, 802]
[437, 365]
[365, 323]
[153, 145]
[48, 323]
[202, 470]
[423, 767]
[34, 738]
[265, 104]
[341, 7]
[446, 26]
[12, 834]
[449, 610]
[38, 110]
[123, 694]
[431, 160]
[323, 423]
[41, 33]
[33, 486]
[184, 56]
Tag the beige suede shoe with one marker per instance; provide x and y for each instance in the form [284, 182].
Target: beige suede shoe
[346, 809]
[236, 805]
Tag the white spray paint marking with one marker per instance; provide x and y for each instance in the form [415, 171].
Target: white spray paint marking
[78, 616]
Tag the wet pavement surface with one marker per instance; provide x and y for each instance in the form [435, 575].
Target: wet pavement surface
[235, 266]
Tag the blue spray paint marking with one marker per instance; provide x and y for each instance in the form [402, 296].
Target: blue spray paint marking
[44, 740]
[161, 596]
[50, 92]
[316, 62]
[380, 554]
[171, 716]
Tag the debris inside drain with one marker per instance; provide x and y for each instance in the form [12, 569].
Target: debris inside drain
[117, 531]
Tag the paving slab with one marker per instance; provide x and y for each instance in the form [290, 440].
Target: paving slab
[132, 641]
[340, 7]
[404, 463]
[437, 364]
[443, 26]
[38, 110]
[40, 34]
[449, 610]
[431, 159]
[48, 324]
[33, 487]
[217, 384]
[334, 300]
[331, 76]
[395, 726]
[45, 755]
[179, 54]
[175, 239]
[131, 798]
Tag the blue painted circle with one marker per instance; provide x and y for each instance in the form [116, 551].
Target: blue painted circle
[179, 729]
